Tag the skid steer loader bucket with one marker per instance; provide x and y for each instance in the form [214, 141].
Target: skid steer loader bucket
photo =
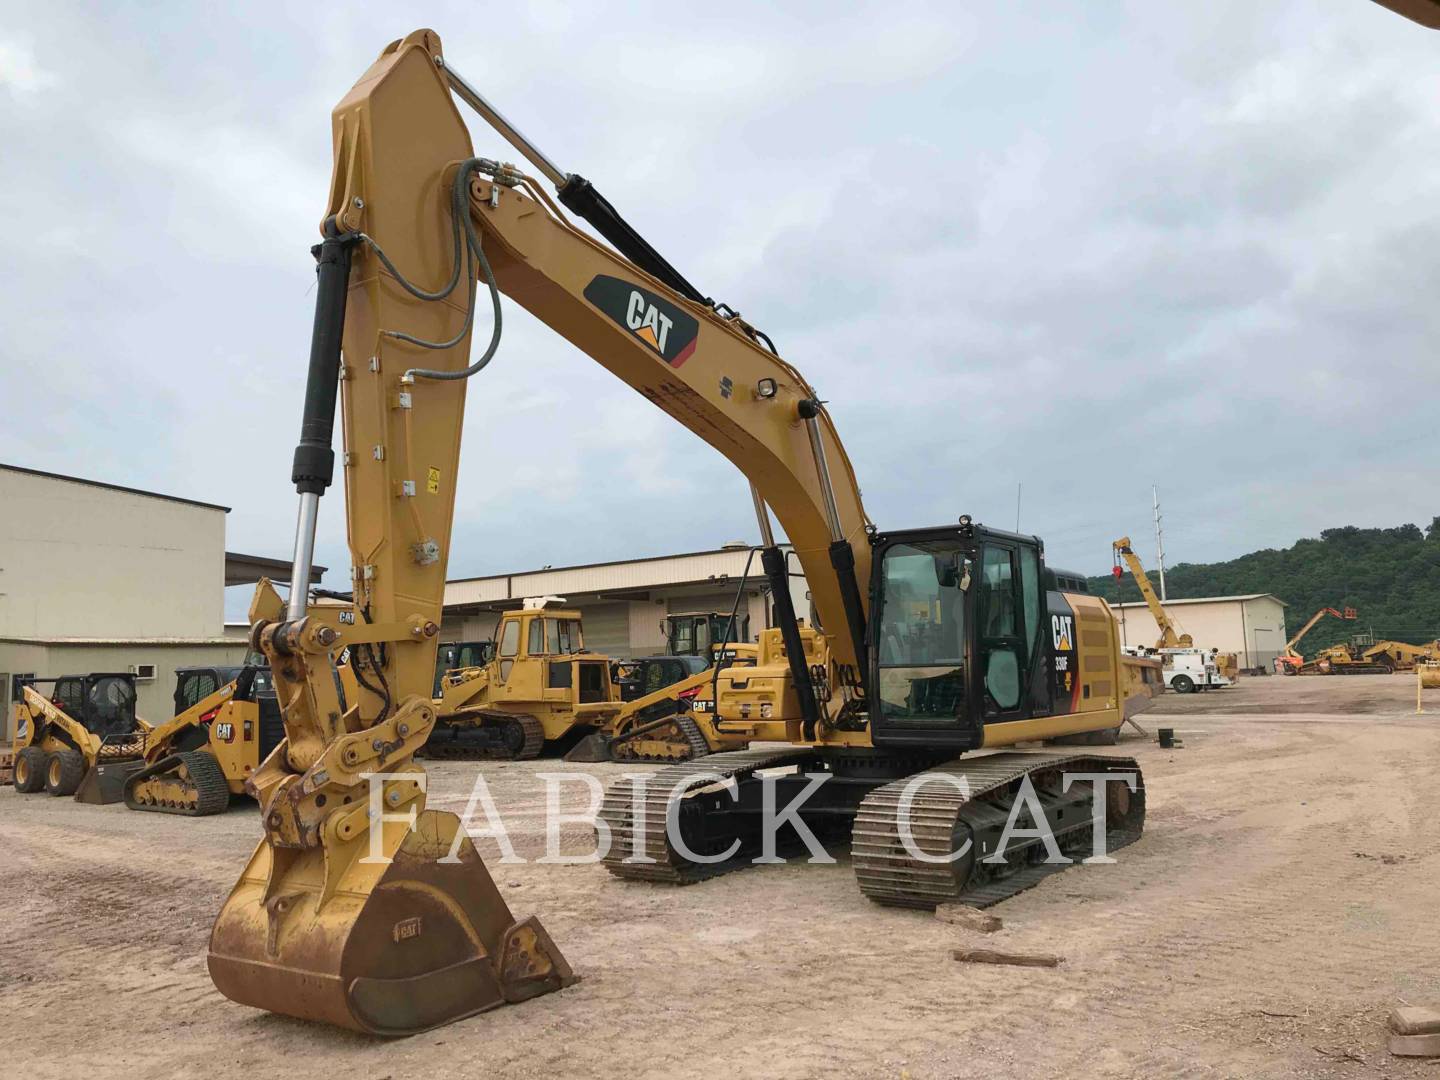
[120, 755]
[392, 947]
[105, 782]
[593, 747]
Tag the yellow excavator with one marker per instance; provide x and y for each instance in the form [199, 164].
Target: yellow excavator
[359, 906]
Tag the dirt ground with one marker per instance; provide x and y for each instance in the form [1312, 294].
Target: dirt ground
[1280, 903]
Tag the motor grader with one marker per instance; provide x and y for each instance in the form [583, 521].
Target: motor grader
[226, 722]
[83, 740]
[362, 908]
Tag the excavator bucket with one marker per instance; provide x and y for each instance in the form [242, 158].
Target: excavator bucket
[105, 782]
[395, 946]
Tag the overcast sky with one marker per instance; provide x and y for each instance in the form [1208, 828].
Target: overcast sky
[1081, 248]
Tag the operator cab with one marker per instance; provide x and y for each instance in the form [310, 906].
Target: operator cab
[959, 634]
[103, 703]
[459, 656]
[699, 633]
[253, 682]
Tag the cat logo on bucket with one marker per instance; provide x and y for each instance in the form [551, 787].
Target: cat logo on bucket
[664, 327]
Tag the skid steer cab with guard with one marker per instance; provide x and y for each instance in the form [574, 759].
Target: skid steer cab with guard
[83, 740]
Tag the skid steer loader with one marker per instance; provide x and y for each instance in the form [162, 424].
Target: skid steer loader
[227, 721]
[84, 740]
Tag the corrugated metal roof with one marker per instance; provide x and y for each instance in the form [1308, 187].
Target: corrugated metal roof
[1210, 600]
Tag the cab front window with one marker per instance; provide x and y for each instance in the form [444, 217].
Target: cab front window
[921, 632]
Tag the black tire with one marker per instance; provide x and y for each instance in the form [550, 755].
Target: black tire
[64, 769]
[30, 770]
[1182, 684]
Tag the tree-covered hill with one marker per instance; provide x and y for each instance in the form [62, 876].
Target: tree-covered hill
[1390, 576]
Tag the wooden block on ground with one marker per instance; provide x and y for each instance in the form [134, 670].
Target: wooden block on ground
[1427, 1046]
[1415, 1020]
[994, 956]
[968, 917]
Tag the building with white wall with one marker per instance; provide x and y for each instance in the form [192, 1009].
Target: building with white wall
[624, 604]
[98, 577]
[1251, 626]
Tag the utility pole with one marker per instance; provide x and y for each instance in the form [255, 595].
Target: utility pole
[1159, 539]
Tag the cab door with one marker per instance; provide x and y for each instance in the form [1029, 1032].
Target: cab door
[1001, 650]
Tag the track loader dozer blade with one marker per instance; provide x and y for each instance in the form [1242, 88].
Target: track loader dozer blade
[594, 747]
[105, 782]
[389, 948]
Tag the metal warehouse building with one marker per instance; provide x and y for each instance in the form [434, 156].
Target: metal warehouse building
[1251, 626]
[97, 577]
[624, 604]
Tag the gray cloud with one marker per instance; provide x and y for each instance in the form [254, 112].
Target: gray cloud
[1080, 248]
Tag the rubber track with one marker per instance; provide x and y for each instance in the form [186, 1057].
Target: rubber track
[534, 742]
[206, 791]
[694, 739]
[669, 866]
[888, 874]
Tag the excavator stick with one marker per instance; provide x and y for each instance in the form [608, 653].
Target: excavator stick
[402, 946]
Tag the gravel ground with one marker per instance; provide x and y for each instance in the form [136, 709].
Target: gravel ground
[1279, 905]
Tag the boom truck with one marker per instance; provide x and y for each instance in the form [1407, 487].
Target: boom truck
[362, 908]
[1186, 669]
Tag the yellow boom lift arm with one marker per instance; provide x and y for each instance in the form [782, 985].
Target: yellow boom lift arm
[1170, 638]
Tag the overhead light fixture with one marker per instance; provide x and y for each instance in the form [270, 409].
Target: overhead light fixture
[765, 389]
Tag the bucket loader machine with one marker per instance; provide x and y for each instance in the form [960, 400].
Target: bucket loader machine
[84, 740]
[227, 721]
[540, 687]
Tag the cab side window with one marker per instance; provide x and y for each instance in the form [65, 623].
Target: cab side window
[509, 646]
